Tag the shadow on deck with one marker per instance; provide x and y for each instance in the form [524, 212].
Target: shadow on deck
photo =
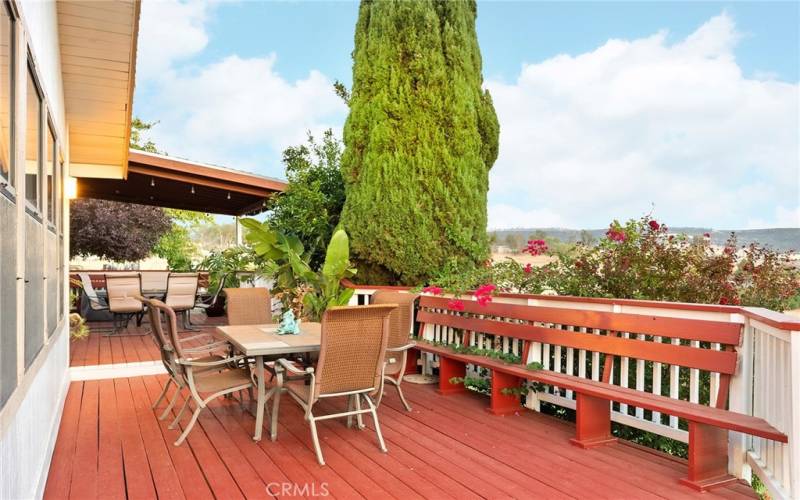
[111, 445]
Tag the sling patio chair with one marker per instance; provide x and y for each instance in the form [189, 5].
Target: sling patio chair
[248, 306]
[353, 345]
[95, 303]
[400, 323]
[122, 290]
[182, 295]
[204, 353]
[206, 302]
[206, 380]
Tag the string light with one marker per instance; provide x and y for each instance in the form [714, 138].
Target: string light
[152, 182]
[229, 195]
[193, 189]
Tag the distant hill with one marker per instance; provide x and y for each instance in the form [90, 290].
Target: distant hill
[778, 238]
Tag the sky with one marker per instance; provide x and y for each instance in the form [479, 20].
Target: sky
[689, 111]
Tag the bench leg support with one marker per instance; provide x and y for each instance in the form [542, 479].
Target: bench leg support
[448, 369]
[593, 422]
[412, 361]
[708, 458]
[504, 404]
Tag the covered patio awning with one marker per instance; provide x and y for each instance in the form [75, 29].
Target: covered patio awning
[175, 183]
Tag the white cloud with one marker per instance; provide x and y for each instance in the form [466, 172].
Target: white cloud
[170, 30]
[641, 123]
[233, 111]
[237, 103]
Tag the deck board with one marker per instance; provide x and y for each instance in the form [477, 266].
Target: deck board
[102, 349]
[111, 445]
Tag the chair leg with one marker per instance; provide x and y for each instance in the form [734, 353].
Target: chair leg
[374, 413]
[163, 393]
[171, 403]
[359, 417]
[402, 397]
[350, 406]
[180, 414]
[189, 427]
[315, 438]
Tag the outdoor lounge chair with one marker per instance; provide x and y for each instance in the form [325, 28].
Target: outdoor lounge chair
[95, 304]
[206, 353]
[122, 290]
[206, 302]
[181, 295]
[353, 345]
[399, 343]
[211, 379]
[248, 306]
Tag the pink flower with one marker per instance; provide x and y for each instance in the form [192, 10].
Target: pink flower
[485, 289]
[528, 269]
[433, 290]
[484, 299]
[616, 235]
[706, 235]
[456, 305]
[654, 225]
[535, 247]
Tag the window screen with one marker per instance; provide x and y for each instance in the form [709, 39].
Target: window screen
[6, 96]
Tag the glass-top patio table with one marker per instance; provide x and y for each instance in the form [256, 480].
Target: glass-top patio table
[259, 341]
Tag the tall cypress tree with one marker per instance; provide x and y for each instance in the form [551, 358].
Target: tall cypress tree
[420, 139]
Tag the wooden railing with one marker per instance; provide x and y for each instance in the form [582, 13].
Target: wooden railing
[766, 383]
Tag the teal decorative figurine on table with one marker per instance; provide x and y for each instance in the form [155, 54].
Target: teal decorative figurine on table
[289, 325]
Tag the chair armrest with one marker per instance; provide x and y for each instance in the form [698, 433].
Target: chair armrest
[207, 347]
[199, 335]
[189, 362]
[286, 365]
[402, 348]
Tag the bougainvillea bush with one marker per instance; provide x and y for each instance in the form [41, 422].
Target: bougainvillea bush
[641, 259]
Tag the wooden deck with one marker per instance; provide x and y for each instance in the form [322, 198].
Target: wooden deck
[102, 349]
[111, 445]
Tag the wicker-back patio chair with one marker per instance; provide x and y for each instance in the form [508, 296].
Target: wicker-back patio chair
[353, 345]
[182, 295]
[248, 306]
[400, 323]
[122, 290]
[211, 379]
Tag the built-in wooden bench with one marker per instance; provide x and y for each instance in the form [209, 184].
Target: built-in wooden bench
[708, 426]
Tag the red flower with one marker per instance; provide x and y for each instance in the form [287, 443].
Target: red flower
[484, 299]
[729, 250]
[706, 235]
[616, 235]
[528, 269]
[654, 225]
[485, 290]
[535, 247]
[434, 290]
[723, 301]
[736, 301]
[456, 305]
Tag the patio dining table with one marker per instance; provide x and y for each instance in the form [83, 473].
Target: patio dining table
[259, 341]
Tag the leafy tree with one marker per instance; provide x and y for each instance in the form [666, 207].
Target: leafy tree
[137, 127]
[115, 231]
[312, 204]
[177, 245]
[420, 139]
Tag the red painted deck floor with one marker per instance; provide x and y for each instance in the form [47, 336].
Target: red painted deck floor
[111, 445]
[102, 349]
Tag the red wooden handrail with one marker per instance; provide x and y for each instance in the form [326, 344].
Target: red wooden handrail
[766, 316]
